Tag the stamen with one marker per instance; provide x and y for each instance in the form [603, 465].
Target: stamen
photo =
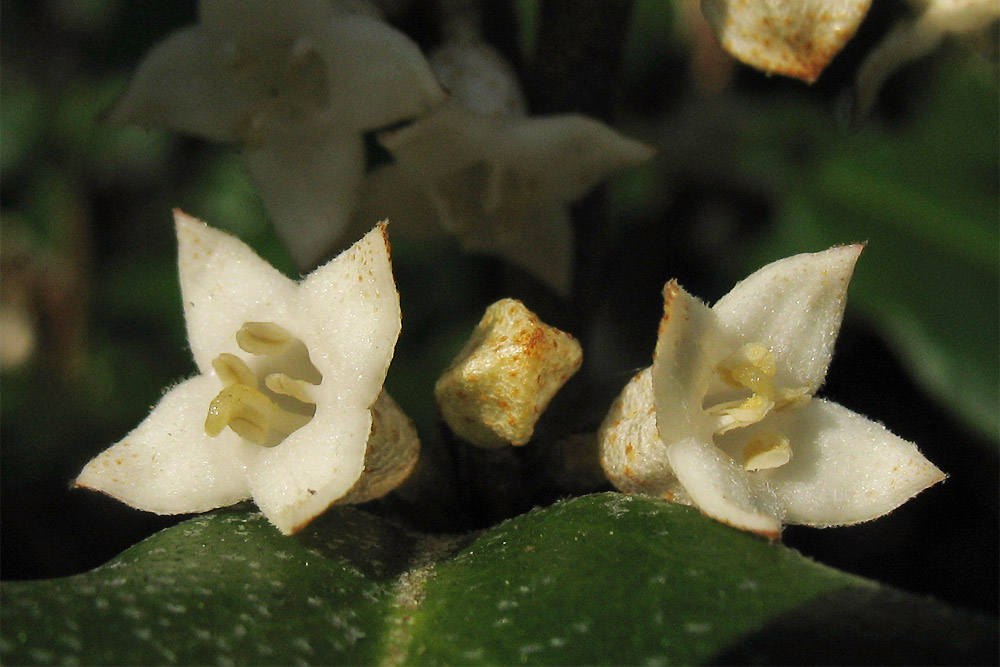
[264, 409]
[233, 370]
[263, 338]
[751, 367]
[737, 414]
[241, 408]
[286, 385]
[768, 449]
[251, 415]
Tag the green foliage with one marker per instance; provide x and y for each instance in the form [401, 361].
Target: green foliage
[602, 579]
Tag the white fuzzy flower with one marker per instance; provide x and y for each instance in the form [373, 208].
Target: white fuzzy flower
[296, 83]
[725, 418]
[282, 408]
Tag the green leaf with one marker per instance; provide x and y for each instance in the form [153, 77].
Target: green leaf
[225, 587]
[925, 200]
[606, 578]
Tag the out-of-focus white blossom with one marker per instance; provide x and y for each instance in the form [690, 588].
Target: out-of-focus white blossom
[503, 185]
[295, 83]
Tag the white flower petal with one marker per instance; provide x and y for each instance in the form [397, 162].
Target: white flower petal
[440, 143]
[378, 76]
[845, 468]
[794, 306]
[187, 84]
[721, 488]
[315, 466]
[687, 348]
[223, 285]
[168, 464]
[563, 157]
[353, 308]
[796, 38]
[309, 183]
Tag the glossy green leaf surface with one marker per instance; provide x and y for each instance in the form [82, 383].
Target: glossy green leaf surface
[225, 587]
[602, 579]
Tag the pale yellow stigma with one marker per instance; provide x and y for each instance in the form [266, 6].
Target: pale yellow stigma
[767, 449]
[263, 407]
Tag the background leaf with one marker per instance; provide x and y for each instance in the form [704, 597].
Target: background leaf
[607, 578]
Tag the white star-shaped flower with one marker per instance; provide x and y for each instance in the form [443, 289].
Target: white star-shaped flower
[725, 419]
[289, 376]
[296, 83]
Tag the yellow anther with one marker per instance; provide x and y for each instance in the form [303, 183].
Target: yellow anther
[768, 449]
[233, 370]
[251, 415]
[286, 385]
[751, 367]
[263, 338]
